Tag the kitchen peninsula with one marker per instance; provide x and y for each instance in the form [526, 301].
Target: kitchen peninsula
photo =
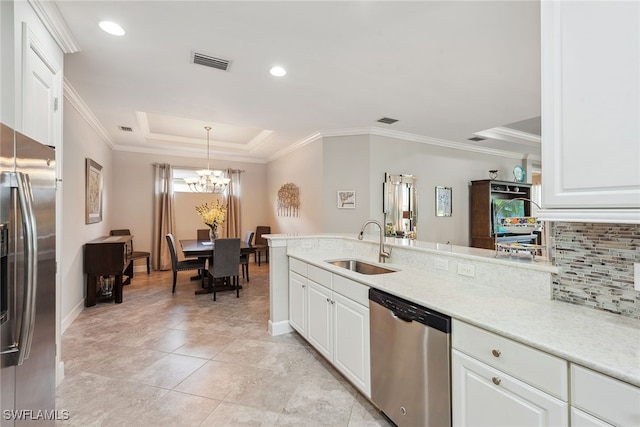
[508, 298]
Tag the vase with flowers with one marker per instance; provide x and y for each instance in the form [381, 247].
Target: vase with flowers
[213, 215]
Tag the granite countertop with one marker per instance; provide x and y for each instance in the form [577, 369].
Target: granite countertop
[605, 342]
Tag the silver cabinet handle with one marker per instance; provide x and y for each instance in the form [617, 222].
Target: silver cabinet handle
[496, 353]
[496, 380]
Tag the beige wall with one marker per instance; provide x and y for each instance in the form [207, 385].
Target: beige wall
[346, 162]
[79, 142]
[302, 167]
[359, 163]
[133, 202]
[434, 166]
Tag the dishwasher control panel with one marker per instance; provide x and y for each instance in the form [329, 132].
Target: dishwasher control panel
[409, 311]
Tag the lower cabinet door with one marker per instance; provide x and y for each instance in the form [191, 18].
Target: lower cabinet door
[351, 342]
[298, 303]
[320, 325]
[582, 419]
[484, 396]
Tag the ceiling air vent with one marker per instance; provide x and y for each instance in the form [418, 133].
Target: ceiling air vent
[210, 61]
[476, 139]
[387, 120]
[125, 128]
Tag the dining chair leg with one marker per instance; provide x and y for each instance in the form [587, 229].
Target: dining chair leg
[238, 286]
[175, 278]
[148, 266]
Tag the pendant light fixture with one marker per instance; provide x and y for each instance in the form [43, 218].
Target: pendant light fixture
[208, 181]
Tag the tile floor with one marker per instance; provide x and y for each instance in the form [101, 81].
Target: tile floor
[163, 359]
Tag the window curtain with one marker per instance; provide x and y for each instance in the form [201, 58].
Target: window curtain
[163, 216]
[233, 203]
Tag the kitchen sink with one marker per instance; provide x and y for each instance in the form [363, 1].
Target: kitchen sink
[360, 266]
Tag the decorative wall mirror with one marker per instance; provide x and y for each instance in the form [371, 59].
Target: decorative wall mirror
[400, 205]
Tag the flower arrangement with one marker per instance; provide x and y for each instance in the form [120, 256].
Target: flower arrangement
[212, 215]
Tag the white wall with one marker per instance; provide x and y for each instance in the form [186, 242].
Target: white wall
[303, 167]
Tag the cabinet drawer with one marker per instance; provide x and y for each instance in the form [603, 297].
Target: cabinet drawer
[611, 400]
[298, 266]
[351, 289]
[541, 370]
[319, 275]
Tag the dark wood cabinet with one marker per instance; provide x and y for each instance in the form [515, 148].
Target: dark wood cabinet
[107, 256]
[486, 199]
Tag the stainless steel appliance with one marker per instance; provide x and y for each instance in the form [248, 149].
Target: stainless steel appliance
[27, 279]
[410, 361]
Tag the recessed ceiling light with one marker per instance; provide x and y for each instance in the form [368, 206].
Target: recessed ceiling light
[112, 28]
[277, 71]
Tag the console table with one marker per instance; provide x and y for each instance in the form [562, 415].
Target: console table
[107, 256]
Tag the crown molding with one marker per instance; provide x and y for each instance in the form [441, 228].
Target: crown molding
[405, 136]
[296, 146]
[511, 135]
[186, 152]
[85, 112]
[49, 14]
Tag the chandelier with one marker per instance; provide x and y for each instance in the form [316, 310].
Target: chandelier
[208, 181]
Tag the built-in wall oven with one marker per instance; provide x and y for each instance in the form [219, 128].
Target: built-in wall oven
[410, 361]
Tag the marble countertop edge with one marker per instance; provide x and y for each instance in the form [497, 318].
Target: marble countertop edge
[443, 249]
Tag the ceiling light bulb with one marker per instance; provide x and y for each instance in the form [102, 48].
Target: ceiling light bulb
[277, 71]
[112, 28]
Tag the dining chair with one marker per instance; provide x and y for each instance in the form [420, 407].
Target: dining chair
[184, 265]
[226, 262]
[134, 254]
[203, 234]
[261, 243]
[244, 258]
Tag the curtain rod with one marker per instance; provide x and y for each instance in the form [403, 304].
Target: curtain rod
[193, 167]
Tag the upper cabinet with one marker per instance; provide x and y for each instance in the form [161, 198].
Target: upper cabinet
[590, 111]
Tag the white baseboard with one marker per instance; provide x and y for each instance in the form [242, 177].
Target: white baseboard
[60, 373]
[279, 328]
[68, 320]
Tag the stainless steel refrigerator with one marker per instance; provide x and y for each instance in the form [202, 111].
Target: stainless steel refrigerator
[27, 278]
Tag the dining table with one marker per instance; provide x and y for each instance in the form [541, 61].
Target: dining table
[192, 248]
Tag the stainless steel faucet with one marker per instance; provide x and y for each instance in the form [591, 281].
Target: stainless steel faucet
[382, 256]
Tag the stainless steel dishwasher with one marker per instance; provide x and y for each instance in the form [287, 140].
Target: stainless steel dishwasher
[410, 361]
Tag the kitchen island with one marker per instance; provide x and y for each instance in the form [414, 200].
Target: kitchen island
[506, 296]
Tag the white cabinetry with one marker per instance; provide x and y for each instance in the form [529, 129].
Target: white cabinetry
[321, 319]
[337, 319]
[590, 110]
[498, 382]
[298, 303]
[599, 400]
[298, 296]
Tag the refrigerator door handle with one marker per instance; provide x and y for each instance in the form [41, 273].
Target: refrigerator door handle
[25, 199]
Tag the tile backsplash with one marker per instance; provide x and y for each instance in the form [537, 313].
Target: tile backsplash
[596, 262]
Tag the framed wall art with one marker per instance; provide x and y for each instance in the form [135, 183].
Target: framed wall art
[346, 199]
[93, 192]
[443, 201]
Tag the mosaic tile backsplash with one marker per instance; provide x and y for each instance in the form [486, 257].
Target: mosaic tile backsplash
[596, 262]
